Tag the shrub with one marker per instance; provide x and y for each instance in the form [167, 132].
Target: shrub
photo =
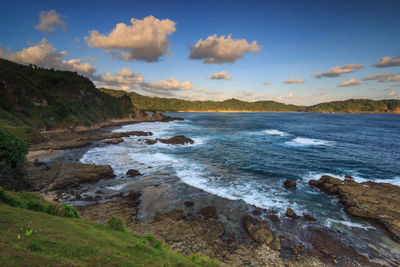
[7, 198]
[116, 224]
[34, 205]
[68, 211]
[51, 209]
[12, 150]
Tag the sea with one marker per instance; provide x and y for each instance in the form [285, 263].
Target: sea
[242, 159]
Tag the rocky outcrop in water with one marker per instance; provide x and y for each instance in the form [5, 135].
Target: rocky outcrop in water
[261, 232]
[114, 141]
[379, 202]
[132, 173]
[176, 140]
[289, 184]
[66, 174]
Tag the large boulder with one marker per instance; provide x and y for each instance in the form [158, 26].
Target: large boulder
[379, 202]
[289, 184]
[176, 140]
[261, 232]
[66, 174]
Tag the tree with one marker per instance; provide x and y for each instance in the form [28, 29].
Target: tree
[12, 149]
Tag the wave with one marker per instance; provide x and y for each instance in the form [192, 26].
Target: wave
[330, 222]
[315, 176]
[301, 141]
[275, 132]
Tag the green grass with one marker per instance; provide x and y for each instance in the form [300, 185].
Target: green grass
[32, 238]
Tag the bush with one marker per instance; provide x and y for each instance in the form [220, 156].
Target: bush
[7, 198]
[34, 205]
[116, 224]
[12, 150]
[68, 211]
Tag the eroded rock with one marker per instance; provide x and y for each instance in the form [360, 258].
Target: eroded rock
[289, 184]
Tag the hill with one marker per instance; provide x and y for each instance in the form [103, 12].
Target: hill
[173, 104]
[34, 99]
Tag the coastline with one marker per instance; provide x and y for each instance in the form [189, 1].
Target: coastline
[176, 226]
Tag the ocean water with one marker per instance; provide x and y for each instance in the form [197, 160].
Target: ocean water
[246, 157]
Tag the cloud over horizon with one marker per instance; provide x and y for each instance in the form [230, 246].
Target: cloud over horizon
[293, 81]
[144, 40]
[338, 70]
[383, 77]
[43, 54]
[167, 87]
[49, 21]
[216, 50]
[387, 62]
[350, 82]
[123, 79]
[223, 75]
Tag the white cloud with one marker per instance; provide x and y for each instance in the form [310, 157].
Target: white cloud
[144, 40]
[43, 54]
[387, 62]
[49, 20]
[350, 82]
[223, 75]
[290, 95]
[123, 79]
[222, 49]
[293, 81]
[338, 70]
[166, 87]
[383, 77]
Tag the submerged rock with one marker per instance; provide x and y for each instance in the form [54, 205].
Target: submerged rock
[289, 184]
[208, 212]
[133, 173]
[291, 214]
[379, 202]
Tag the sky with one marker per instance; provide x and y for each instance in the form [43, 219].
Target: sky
[297, 52]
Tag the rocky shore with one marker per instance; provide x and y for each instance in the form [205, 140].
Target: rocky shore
[379, 202]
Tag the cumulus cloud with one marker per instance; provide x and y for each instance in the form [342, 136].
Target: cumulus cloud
[49, 21]
[222, 49]
[123, 79]
[338, 70]
[43, 54]
[350, 82]
[383, 77]
[387, 62]
[293, 81]
[144, 40]
[223, 75]
[166, 87]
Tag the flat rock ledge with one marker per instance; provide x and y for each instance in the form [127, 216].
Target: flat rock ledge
[379, 202]
[60, 175]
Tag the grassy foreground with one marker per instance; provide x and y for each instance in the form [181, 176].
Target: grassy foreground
[33, 238]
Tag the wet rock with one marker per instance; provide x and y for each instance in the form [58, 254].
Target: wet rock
[133, 173]
[208, 212]
[189, 203]
[114, 141]
[289, 184]
[36, 162]
[119, 135]
[291, 214]
[99, 192]
[260, 232]
[379, 202]
[309, 218]
[66, 174]
[176, 140]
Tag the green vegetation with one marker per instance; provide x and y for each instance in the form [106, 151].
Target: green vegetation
[34, 238]
[172, 104]
[33, 99]
[12, 150]
[116, 224]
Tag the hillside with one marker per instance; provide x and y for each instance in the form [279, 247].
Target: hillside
[30, 237]
[172, 104]
[34, 99]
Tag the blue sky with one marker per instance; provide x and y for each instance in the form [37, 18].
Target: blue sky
[294, 40]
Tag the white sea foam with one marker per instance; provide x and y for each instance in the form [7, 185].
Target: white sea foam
[275, 132]
[117, 187]
[301, 141]
[330, 222]
[315, 176]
